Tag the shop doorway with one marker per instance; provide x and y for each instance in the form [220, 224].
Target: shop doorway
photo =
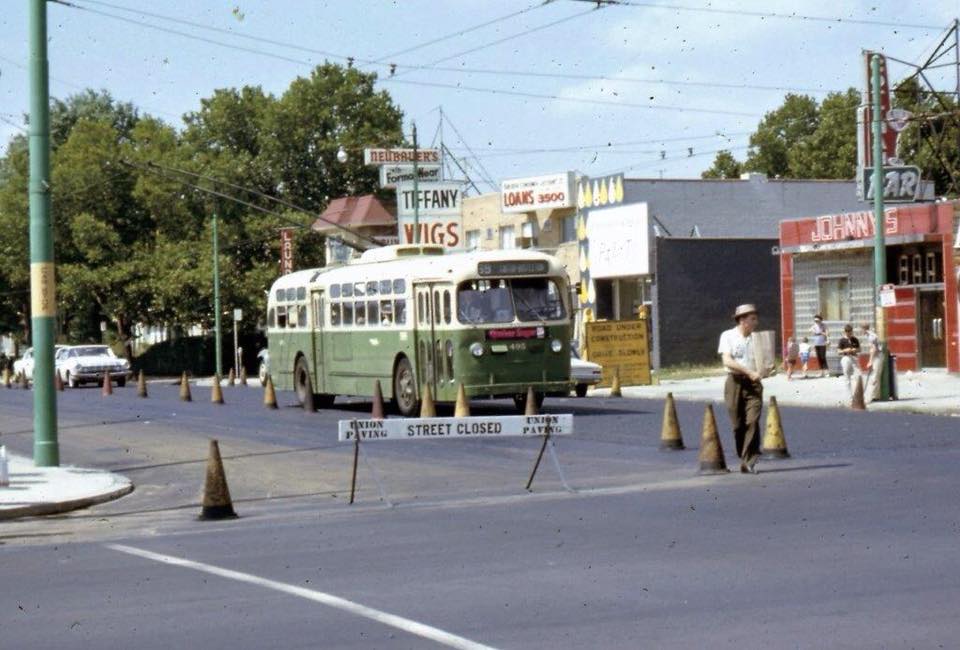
[930, 329]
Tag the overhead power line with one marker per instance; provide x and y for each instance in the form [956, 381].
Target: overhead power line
[756, 14]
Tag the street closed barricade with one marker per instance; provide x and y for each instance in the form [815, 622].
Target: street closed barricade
[477, 427]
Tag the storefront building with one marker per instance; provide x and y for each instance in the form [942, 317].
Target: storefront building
[827, 267]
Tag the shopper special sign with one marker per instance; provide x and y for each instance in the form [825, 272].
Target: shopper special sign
[537, 193]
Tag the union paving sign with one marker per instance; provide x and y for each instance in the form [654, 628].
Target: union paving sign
[505, 426]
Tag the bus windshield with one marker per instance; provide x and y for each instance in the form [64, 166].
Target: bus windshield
[503, 301]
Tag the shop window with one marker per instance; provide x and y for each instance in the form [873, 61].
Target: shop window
[606, 308]
[903, 269]
[917, 267]
[508, 238]
[932, 268]
[834, 298]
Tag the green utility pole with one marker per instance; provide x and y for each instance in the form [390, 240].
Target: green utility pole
[216, 297]
[416, 187]
[879, 241]
[43, 297]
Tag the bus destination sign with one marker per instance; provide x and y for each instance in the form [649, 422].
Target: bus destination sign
[515, 267]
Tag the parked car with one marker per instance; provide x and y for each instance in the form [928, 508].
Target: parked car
[263, 357]
[583, 374]
[26, 363]
[79, 364]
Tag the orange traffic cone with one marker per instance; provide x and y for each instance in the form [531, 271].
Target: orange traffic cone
[530, 407]
[615, 390]
[141, 384]
[462, 409]
[107, 384]
[231, 377]
[216, 494]
[670, 436]
[216, 393]
[269, 394]
[427, 408]
[57, 381]
[6, 378]
[185, 395]
[856, 403]
[774, 444]
[243, 376]
[24, 382]
[376, 412]
[711, 451]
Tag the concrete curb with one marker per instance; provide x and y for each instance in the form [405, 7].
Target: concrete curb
[59, 507]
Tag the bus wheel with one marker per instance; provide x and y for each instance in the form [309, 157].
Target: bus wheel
[520, 401]
[405, 389]
[301, 381]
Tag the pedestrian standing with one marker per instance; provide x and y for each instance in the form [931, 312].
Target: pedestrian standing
[805, 354]
[874, 364]
[743, 392]
[819, 334]
[848, 347]
[791, 356]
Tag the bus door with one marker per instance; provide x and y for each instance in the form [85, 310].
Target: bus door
[424, 335]
[316, 333]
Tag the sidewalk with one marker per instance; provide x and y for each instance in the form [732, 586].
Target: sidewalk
[50, 490]
[933, 392]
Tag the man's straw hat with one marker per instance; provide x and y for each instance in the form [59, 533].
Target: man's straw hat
[743, 310]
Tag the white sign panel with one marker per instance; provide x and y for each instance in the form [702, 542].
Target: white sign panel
[400, 156]
[619, 241]
[507, 426]
[445, 231]
[391, 176]
[888, 296]
[537, 193]
[435, 199]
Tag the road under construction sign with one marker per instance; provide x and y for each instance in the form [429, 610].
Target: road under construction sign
[620, 345]
[507, 426]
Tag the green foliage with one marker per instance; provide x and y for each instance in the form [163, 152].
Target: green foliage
[724, 166]
[778, 132]
[133, 243]
[932, 137]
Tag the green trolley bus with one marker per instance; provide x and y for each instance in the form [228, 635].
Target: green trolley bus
[497, 322]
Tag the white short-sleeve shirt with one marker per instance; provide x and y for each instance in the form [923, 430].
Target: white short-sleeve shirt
[738, 346]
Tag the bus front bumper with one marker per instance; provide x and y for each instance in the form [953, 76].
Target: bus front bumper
[553, 388]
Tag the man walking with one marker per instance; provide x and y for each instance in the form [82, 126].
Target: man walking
[743, 392]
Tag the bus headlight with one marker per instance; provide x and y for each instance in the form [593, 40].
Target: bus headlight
[476, 349]
[556, 345]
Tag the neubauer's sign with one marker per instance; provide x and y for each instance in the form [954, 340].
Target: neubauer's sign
[504, 426]
[400, 156]
[537, 193]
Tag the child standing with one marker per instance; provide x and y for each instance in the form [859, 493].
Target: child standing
[791, 355]
[804, 349]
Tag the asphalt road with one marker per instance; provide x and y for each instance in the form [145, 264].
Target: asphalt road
[850, 543]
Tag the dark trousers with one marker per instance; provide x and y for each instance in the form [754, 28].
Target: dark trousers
[821, 356]
[744, 400]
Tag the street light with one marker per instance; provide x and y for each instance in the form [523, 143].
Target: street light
[341, 155]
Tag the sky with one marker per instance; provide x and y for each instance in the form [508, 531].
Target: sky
[651, 88]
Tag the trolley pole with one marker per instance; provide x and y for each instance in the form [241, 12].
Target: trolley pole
[43, 301]
[216, 298]
[879, 241]
[416, 189]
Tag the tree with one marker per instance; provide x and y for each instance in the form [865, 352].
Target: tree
[830, 151]
[778, 132]
[931, 139]
[724, 166]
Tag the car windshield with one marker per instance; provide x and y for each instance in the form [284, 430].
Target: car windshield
[503, 301]
[94, 351]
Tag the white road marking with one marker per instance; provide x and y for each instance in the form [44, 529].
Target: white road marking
[399, 622]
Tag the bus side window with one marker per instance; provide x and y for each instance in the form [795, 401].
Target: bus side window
[334, 313]
[281, 295]
[385, 287]
[271, 317]
[281, 316]
[347, 290]
[334, 290]
[446, 307]
[373, 314]
[372, 288]
[358, 289]
[436, 307]
[420, 315]
[291, 294]
[399, 286]
[302, 315]
[301, 293]
[292, 316]
[401, 311]
[359, 313]
[348, 313]
[386, 312]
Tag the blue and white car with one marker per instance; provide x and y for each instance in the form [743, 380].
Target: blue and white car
[80, 364]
